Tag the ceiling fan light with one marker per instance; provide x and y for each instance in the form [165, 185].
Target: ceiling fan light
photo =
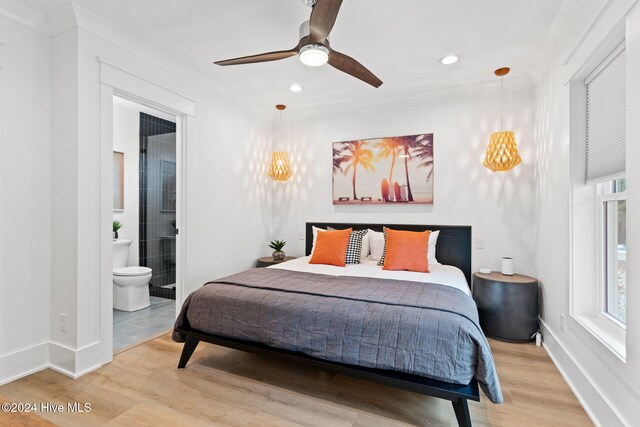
[314, 55]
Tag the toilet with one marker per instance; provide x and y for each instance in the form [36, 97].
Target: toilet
[130, 284]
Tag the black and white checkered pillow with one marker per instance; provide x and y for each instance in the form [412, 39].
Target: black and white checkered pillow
[354, 249]
[384, 251]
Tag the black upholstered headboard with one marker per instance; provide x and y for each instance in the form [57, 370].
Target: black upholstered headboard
[453, 247]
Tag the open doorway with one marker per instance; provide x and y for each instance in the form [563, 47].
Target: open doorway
[145, 195]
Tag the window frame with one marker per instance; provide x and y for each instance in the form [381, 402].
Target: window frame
[586, 297]
[602, 253]
[120, 155]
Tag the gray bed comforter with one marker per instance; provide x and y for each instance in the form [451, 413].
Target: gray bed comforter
[424, 329]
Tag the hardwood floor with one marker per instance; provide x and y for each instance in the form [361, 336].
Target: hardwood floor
[23, 418]
[226, 387]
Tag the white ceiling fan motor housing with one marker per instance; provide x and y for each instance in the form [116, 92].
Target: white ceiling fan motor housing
[304, 30]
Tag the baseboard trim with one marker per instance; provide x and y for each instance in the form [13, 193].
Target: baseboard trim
[25, 362]
[71, 374]
[4, 381]
[573, 375]
[71, 362]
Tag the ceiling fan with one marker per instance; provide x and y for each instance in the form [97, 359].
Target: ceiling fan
[313, 47]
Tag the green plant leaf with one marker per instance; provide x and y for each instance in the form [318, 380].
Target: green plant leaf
[277, 245]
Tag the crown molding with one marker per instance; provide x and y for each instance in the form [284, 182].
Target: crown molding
[434, 94]
[61, 19]
[25, 16]
[72, 15]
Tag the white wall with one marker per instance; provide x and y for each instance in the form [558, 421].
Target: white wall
[499, 207]
[607, 387]
[126, 139]
[52, 259]
[64, 201]
[226, 150]
[25, 199]
[228, 216]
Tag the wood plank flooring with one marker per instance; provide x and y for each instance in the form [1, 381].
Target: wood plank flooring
[230, 388]
[15, 419]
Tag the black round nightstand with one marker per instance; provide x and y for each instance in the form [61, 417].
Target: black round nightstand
[267, 261]
[507, 305]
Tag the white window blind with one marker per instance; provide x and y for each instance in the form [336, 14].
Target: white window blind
[606, 118]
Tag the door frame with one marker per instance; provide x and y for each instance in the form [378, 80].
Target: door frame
[117, 82]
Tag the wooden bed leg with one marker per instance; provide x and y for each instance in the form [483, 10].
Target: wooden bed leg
[189, 347]
[461, 408]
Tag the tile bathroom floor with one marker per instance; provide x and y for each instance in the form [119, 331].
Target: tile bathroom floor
[135, 327]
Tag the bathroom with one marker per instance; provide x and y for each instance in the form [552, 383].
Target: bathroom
[144, 223]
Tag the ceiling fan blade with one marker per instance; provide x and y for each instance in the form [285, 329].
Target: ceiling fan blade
[262, 57]
[323, 17]
[348, 65]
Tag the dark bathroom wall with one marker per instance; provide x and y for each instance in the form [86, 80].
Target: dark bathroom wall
[158, 198]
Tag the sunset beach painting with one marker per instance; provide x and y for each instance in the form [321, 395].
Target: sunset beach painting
[395, 170]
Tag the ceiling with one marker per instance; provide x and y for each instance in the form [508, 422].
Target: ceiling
[400, 41]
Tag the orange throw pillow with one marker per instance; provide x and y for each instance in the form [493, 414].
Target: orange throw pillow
[331, 247]
[407, 250]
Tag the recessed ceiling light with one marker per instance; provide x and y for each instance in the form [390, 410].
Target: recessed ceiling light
[449, 59]
[295, 88]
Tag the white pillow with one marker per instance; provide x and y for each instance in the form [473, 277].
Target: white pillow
[431, 253]
[315, 236]
[366, 247]
[376, 244]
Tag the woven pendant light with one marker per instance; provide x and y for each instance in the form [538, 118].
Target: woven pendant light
[502, 153]
[279, 169]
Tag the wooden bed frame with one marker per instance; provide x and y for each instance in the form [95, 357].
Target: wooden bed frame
[453, 248]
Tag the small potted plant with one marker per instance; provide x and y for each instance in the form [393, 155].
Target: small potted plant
[117, 225]
[277, 245]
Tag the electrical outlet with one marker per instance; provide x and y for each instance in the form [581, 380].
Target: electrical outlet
[562, 322]
[479, 242]
[63, 322]
[300, 235]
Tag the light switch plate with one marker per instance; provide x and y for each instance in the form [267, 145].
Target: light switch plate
[479, 242]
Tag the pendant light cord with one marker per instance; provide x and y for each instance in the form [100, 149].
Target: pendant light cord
[280, 132]
[501, 103]
[280, 108]
[280, 144]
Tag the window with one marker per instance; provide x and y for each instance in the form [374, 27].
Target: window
[606, 159]
[118, 181]
[612, 206]
[598, 197]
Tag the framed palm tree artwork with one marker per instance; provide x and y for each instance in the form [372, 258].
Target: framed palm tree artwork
[393, 170]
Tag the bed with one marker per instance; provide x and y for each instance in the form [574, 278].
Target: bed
[415, 331]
